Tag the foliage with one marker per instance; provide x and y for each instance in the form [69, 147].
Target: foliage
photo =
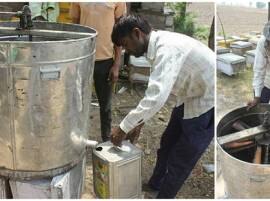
[184, 22]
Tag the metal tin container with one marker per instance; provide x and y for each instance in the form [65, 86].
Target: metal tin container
[243, 179]
[117, 173]
[44, 100]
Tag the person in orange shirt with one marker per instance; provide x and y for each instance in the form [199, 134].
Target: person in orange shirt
[102, 17]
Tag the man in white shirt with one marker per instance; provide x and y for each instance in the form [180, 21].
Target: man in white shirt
[261, 69]
[181, 66]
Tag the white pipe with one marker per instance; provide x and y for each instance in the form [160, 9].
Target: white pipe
[90, 143]
[79, 140]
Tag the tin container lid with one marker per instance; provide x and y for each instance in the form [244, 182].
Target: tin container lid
[108, 152]
[230, 58]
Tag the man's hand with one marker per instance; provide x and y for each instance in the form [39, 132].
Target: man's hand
[253, 103]
[117, 136]
[39, 18]
[114, 73]
[134, 134]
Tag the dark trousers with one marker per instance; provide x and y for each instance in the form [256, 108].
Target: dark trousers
[182, 144]
[265, 95]
[103, 89]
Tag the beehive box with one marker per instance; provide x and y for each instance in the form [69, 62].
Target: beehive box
[239, 38]
[230, 63]
[219, 38]
[254, 41]
[222, 50]
[139, 69]
[254, 33]
[250, 57]
[224, 43]
[240, 47]
[246, 35]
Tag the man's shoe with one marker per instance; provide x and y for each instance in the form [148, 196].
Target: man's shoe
[149, 191]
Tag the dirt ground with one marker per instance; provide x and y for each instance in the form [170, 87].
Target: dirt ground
[240, 20]
[233, 91]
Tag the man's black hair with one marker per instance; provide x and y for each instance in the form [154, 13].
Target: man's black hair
[125, 24]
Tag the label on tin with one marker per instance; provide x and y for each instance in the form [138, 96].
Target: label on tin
[101, 178]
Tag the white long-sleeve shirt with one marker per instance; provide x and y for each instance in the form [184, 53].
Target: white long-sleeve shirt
[182, 66]
[261, 68]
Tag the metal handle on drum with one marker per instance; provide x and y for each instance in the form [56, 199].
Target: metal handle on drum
[24, 15]
[49, 73]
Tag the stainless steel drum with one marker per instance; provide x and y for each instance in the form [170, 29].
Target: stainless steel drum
[45, 93]
[244, 178]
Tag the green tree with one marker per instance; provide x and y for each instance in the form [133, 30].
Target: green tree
[184, 22]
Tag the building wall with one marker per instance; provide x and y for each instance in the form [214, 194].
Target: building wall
[155, 13]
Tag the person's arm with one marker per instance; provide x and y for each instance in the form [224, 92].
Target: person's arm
[166, 67]
[36, 10]
[259, 68]
[75, 12]
[53, 11]
[120, 10]
[114, 72]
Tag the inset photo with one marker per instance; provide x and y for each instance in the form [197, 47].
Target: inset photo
[242, 104]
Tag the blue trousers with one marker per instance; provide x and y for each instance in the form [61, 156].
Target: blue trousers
[265, 95]
[182, 144]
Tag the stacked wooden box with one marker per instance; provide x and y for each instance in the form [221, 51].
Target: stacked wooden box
[240, 47]
[240, 55]
[230, 63]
